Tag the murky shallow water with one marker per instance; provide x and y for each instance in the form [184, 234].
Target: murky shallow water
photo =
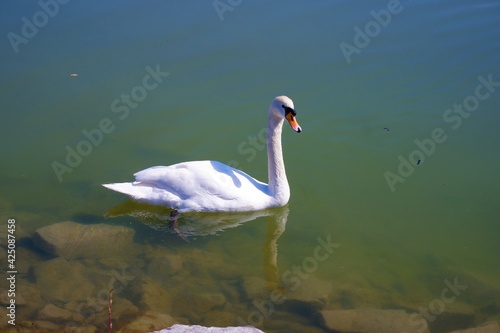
[404, 187]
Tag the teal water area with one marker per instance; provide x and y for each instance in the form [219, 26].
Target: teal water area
[397, 163]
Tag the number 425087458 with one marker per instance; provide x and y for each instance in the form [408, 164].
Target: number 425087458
[11, 240]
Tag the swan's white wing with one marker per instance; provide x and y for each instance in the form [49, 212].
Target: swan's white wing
[194, 178]
[199, 186]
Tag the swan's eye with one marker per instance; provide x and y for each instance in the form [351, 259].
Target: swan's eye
[289, 110]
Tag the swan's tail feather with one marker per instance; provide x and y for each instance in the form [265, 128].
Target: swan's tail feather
[141, 192]
[125, 188]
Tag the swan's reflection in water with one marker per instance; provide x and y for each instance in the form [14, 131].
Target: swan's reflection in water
[191, 225]
[275, 227]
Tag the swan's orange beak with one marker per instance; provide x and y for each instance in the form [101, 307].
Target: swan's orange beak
[293, 122]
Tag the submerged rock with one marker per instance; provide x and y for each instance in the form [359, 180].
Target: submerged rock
[60, 281]
[42, 326]
[194, 303]
[312, 291]
[3, 314]
[29, 260]
[255, 287]
[76, 241]
[281, 321]
[292, 326]
[148, 321]
[3, 254]
[150, 295]
[354, 291]
[123, 310]
[485, 328]
[164, 266]
[53, 313]
[33, 301]
[450, 321]
[374, 321]
[200, 329]
[218, 318]
[80, 329]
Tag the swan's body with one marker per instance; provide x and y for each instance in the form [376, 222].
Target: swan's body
[211, 186]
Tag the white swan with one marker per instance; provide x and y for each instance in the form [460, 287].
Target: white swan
[210, 186]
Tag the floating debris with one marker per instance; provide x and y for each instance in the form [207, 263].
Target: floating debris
[73, 75]
[386, 129]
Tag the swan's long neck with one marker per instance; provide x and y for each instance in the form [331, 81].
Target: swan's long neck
[278, 183]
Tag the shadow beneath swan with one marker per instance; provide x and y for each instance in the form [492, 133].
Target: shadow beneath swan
[191, 225]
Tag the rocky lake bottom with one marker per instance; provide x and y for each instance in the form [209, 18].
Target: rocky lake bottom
[66, 270]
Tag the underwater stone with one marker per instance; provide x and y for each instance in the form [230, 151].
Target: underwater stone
[150, 295]
[218, 318]
[313, 291]
[255, 287]
[80, 329]
[292, 326]
[373, 321]
[32, 296]
[148, 321]
[60, 281]
[123, 310]
[164, 266]
[30, 259]
[193, 302]
[42, 326]
[491, 327]
[3, 254]
[54, 313]
[78, 241]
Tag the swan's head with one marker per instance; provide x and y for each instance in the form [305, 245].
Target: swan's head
[282, 107]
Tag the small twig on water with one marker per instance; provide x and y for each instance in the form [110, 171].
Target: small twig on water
[110, 306]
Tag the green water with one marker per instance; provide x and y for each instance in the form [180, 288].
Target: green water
[361, 111]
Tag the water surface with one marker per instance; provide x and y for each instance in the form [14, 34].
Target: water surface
[359, 114]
